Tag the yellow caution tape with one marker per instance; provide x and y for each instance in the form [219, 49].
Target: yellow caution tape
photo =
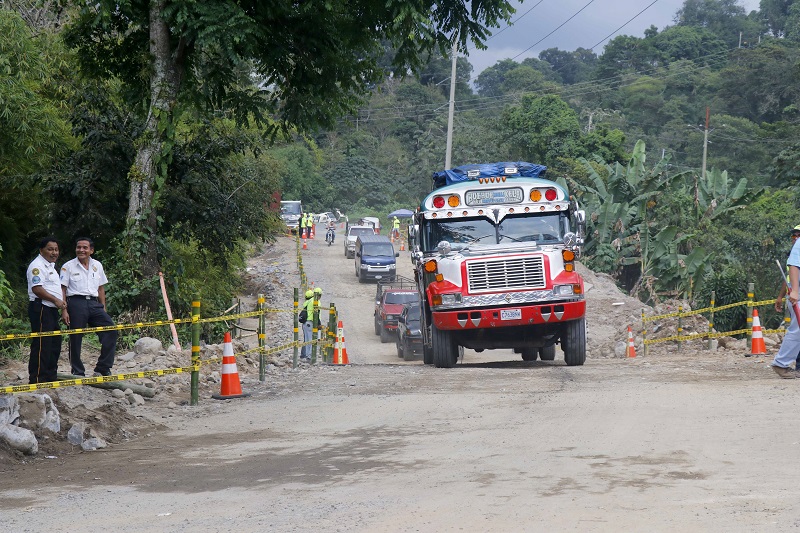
[709, 309]
[696, 336]
[94, 380]
[137, 325]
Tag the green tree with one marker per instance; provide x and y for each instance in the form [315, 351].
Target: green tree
[725, 18]
[688, 42]
[34, 133]
[776, 13]
[490, 81]
[570, 67]
[437, 70]
[760, 84]
[306, 63]
[541, 129]
[646, 254]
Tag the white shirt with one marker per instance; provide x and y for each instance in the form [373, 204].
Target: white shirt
[43, 273]
[83, 281]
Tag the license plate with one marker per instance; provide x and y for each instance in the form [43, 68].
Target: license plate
[510, 314]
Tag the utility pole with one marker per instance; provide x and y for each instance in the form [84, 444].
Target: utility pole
[705, 146]
[703, 175]
[449, 150]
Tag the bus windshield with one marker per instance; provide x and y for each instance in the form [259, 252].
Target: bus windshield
[543, 229]
[291, 208]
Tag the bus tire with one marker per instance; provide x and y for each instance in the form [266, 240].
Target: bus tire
[573, 342]
[445, 351]
[547, 353]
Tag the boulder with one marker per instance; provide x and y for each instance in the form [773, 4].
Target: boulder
[9, 409]
[147, 345]
[93, 443]
[76, 433]
[39, 411]
[20, 439]
[621, 349]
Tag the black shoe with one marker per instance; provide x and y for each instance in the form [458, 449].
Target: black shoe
[101, 373]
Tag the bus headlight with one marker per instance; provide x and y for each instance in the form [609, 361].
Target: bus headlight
[567, 290]
[452, 298]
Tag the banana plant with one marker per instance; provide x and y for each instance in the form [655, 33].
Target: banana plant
[663, 268]
[716, 195]
[617, 202]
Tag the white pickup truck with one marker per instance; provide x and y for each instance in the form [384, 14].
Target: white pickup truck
[350, 238]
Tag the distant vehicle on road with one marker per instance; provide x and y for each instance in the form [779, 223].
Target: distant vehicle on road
[351, 234]
[291, 211]
[389, 300]
[375, 258]
[409, 333]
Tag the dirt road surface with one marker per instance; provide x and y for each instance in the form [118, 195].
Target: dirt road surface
[677, 441]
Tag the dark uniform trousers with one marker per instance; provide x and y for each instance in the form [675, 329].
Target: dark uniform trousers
[89, 312]
[45, 351]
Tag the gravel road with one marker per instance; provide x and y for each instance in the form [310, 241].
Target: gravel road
[681, 440]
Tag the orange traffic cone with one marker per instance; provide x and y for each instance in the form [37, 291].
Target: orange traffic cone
[402, 245]
[231, 387]
[631, 344]
[305, 244]
[391, 237]
[312, 231]
[340, 351]
[757, 347]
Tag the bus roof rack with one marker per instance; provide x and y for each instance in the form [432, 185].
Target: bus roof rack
[512, 169]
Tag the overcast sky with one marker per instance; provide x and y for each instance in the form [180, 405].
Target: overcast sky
[585, 30]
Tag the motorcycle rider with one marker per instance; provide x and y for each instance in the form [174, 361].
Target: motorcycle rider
[330, 236]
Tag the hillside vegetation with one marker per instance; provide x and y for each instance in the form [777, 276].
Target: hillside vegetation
[623, 126]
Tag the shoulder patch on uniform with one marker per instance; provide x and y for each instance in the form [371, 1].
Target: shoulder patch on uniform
[63, 269]
[35, 271]
[36, 279]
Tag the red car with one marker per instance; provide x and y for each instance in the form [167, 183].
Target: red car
[389, 302]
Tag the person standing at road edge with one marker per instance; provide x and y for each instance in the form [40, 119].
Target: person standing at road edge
[308, 306]
[791, 341]
[396, 228]
[782, 293]
[83, 283]
[45, 300]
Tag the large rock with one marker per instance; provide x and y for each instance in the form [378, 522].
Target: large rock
[9, 409]
[93, 443]
[39, 411]
[147, 345]
[18, 438]
[76, 433]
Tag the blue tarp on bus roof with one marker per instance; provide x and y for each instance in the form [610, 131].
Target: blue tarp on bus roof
[487, 170]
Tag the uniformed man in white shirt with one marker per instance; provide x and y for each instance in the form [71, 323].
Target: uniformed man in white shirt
[83, 282]
[44, 293]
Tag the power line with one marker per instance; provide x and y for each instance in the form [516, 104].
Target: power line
[590, 2]
[511, 23]
[618, 29]
[577, 89]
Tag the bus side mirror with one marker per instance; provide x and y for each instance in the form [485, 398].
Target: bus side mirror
[580, 218]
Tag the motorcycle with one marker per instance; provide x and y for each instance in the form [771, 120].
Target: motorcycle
[330, 236]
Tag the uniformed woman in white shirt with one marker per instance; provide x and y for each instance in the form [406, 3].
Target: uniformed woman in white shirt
[44, 293]
[83, 280]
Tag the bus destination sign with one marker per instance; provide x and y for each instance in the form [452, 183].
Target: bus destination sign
[511, 195]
